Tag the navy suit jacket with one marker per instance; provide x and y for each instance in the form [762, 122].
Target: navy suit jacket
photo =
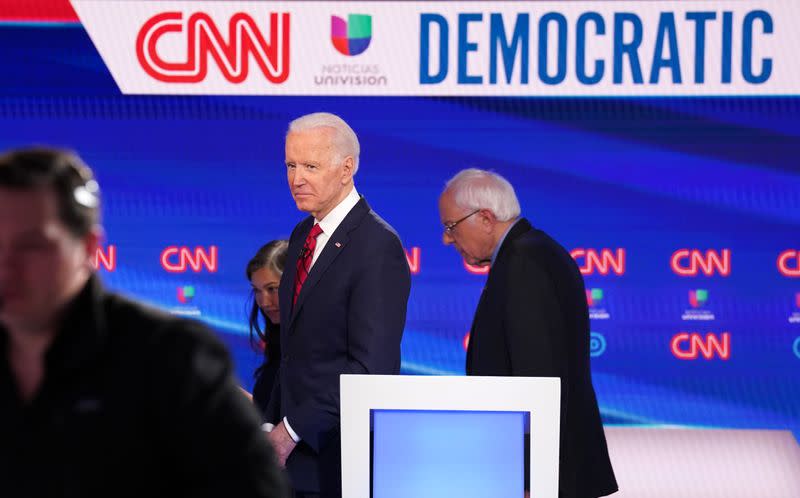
[348, 319]
[533, 321]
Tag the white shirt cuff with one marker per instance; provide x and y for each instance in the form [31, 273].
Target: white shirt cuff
[267, 427]
[292, 433]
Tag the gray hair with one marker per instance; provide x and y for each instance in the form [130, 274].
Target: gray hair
[480, 189]
[345, 140]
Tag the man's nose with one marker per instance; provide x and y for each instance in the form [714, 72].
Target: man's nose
[298, 178]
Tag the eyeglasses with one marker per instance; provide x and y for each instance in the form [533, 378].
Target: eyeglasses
[449, 227]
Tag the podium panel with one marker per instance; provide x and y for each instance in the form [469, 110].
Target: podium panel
[449, 436]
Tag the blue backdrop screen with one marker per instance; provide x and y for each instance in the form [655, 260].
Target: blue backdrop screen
[684, 214]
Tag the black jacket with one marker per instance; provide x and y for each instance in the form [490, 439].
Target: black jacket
[348, 319]
[533, 321]
[134, 403]
[267, 373]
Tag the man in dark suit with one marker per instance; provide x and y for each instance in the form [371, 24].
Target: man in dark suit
[343, 301]
[101, 396]
[532, 319]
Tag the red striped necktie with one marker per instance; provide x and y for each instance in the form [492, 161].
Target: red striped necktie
[304, 261]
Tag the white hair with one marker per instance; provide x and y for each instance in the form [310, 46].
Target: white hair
[345, 141]
[480, 189]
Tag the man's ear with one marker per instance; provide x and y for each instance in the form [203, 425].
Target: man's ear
[348, 167]
[488, 219]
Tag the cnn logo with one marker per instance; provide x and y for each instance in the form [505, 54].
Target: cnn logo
[691, 346]
[198, 39]
[414, 259]
[692, 262]
[176, 259]
[106, 259]
[603, 262]
[789, 263]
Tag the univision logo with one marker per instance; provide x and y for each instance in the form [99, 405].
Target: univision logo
[698, 297]
[185, 294]
[351, 37]
[794, 318]
[594, 296]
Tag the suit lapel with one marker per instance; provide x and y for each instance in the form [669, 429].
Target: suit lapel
[335, 245]
[332, 249]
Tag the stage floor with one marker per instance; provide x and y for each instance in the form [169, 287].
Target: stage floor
[704, 463]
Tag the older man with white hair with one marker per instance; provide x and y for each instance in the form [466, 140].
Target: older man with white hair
[532, 319]
[343, 300]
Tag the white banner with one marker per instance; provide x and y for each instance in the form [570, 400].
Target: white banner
[593, 48]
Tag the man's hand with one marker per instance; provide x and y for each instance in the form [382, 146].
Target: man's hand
[282, 442]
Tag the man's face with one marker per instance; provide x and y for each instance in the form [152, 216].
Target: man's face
[42, 264]
[316, 181]
[472, 237]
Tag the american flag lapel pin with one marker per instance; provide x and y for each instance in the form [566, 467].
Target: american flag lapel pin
[338, 244]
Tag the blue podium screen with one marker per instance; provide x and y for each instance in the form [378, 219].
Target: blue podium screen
[430, 454]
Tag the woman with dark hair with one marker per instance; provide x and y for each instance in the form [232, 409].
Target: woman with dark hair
[264, 273]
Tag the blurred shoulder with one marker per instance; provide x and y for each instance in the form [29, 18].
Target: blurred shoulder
[139, 323]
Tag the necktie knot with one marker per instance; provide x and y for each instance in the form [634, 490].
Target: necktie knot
[315, 231]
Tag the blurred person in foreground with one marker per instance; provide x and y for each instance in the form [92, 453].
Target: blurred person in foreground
[343, 301]
[532, 319]
[101, 396]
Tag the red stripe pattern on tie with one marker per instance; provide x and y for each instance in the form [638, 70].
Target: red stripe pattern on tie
[304, 261]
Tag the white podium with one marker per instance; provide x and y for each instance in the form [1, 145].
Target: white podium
[363, 396]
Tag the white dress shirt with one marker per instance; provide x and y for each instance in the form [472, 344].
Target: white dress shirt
[332, 220]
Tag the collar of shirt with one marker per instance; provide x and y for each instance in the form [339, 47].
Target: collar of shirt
[502, 239]
[331, 222]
